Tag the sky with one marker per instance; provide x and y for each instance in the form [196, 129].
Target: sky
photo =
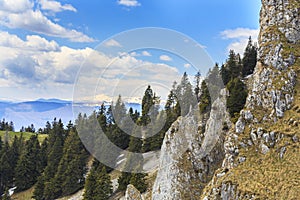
[96, 49]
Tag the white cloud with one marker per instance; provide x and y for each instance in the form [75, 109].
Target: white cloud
[165, 58]
[42, 67]
[146, 53]
[36, 60]
[187, 65]
[112, 43]
[32, 42]
[239, 37]
[28, 18]
[15, 6]
[129, 3]
[239, 33]
[56, 6]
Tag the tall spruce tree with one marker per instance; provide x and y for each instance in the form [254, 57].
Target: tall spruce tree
[185, 95]
[98, 185]
[28, 166]
[237, 96]
[205, 99]
[6, 170]
[72, 167]
[46, 187]
[249, 58]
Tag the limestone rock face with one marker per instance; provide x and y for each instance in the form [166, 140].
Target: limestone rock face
[132, 193]
[228, 191]
[190, 157]
[272, 85]
[271, 92]
[280, 24]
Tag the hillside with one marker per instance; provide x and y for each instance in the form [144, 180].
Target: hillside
[26, 135]
[256, 157]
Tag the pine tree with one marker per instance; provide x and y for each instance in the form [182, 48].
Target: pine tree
[205, 99]
[197, 86]
[72, 166]
[237, 96]
[101, 116]
[38, 192]
[214, 82]
[138, 181]
[249, 58]
[90, 185]
[98, 185]
[104, 188]
[27, 169]
[6, 170]
[124, 180]
[232, 65]
[225, 74]
[147, 103]
[43, 154]
[15, 151]
[46, 184]
[185, 96]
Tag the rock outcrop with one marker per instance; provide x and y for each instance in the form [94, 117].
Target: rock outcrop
[271, 94]
[194, 164]
[272, 85]
[279, 29]
[188, 156]
[132, 193]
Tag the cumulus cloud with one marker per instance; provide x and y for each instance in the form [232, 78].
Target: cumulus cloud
[165, 58]
[24, 16]
[146, 53]
[112, 43]
[35, 60]
[41, 66]
[129, 3]
[239, 38]
[32, 42]
[55, 6]
[22, 67]
[16, 6]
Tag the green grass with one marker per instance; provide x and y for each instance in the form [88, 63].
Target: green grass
[26, 135]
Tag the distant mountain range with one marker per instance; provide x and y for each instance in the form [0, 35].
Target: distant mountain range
[40, 111]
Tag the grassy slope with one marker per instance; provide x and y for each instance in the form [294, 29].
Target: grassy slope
[268, 176]
[25, 195]
[26, 135]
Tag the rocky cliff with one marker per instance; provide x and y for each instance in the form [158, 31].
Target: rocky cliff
[190, 157]
[267, 133]
[258, 158]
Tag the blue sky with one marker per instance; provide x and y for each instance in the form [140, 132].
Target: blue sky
[43, 43]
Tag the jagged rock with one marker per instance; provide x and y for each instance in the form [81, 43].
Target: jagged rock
[295, 138]
[228, 191]
[271, 90]
[240, 125]
[282, 152]
[279, 22]
[242, 159]
[132, 193]
[264, 149]
[187, 160]
[253, 136]
[245, 116]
